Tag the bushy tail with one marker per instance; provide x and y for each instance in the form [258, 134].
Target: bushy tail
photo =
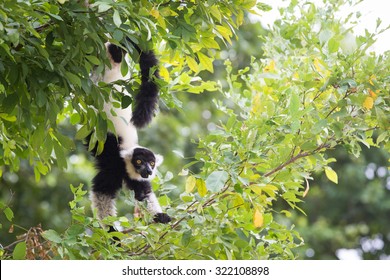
[146, 100]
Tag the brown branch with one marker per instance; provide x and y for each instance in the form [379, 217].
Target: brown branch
[295, 158]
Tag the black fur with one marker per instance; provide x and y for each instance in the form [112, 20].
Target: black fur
[115, 52]
[147, 158]
[112, 173]
[141, 188]
[147, 98]
[111, 168]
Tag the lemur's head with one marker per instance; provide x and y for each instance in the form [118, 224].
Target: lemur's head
[141, 163]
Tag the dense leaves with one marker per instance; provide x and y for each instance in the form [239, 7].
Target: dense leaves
[316, 88]
[51, 47]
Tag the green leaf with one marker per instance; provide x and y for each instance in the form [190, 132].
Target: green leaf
[264, 7]
[331, 174]
[126, 101]
[43, 169]
[9, 214]
[60, 155]
[117, 19]
[333, 45]
[75, 118]
[65, 141]
[319, 126]
[74, 79]
[93, 59]
[52, 236]
[124, 68]
[83, 132]
[38, 136]
[381, 137]
[20, 251]
[216, 180]
[294, 105]
[101, 129]
[186, 237]
[103, 7]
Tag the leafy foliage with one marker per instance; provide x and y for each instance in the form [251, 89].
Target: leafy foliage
[316, 88]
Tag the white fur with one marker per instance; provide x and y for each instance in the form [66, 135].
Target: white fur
[159, 159]
[121, 118]
[153, 205]
[124, 128]
[104, 204]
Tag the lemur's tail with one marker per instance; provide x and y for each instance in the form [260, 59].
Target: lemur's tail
[146, 100]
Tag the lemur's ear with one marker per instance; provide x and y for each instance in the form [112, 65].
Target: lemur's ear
[126, 153]
[159, 159]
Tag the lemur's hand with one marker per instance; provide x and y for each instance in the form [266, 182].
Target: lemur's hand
[162, 218]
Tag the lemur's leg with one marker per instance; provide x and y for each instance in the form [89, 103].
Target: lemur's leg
[109, 179]
[143, 191]
[104, 193]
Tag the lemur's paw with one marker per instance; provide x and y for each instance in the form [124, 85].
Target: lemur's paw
[162, 218]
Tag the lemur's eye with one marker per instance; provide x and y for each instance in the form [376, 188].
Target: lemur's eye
[139, 161]
[152, 163]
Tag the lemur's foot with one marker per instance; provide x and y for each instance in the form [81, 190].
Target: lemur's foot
[162, 218]
[115, 238]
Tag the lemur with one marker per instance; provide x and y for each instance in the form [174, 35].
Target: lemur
[122, 159]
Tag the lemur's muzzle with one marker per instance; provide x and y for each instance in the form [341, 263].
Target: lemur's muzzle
[146, 171]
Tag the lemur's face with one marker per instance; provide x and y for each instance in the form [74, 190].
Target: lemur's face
[144, 162]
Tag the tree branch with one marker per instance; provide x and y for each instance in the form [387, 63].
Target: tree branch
[295, 158]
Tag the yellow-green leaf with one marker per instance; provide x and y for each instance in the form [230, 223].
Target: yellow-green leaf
[209, 43]
[164, 73]
[202, 189]
[7, 117]
[191, 62]
[238, 201]
[225, 32]
[331, 174]
[368, 103]
[258, 218]
[215, 12]
[206, 62]
[190, 184]
[155, 13]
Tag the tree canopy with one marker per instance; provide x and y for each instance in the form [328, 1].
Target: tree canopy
[271, 126]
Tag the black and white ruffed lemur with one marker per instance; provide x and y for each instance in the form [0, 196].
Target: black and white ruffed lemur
[122, 159]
